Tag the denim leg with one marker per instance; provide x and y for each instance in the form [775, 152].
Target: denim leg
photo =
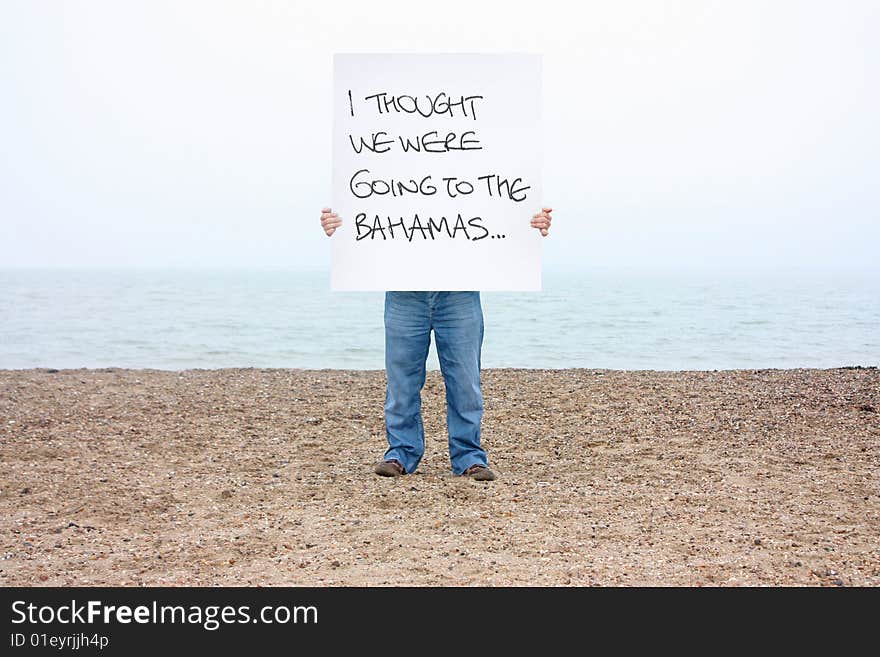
[458, 332]
[407, 339]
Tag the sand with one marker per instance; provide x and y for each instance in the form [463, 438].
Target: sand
[263, 477]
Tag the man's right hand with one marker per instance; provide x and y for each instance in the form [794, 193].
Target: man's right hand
[330, 221]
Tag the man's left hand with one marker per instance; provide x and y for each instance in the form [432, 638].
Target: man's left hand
[542, 220]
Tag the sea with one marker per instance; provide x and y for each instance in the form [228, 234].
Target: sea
[626, 319]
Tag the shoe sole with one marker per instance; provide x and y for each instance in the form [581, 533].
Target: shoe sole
[389, 471]
[482, 475]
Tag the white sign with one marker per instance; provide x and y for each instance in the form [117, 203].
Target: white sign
[436, 172]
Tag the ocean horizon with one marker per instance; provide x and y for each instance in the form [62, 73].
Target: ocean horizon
[646, 319]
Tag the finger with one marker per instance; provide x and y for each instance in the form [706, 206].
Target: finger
[331, 224]
[327, 215]
[330, 231]
[544, 232]
[547, 209]
[326, 210]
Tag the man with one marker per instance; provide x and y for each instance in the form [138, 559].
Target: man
[457, 321]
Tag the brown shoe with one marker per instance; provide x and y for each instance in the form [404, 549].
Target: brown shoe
[391, 468]
[479, 472]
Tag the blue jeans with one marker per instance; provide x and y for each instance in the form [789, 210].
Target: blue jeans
[457, 321]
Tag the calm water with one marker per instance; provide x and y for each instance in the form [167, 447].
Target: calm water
[207, 319]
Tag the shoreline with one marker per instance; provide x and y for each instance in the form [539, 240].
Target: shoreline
[113, 368]
[262, 476]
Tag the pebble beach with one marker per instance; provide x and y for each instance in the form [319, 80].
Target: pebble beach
[264, 477]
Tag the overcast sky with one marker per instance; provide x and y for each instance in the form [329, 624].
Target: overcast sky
[675, 133]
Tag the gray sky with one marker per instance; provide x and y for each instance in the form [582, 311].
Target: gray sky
[675, 133]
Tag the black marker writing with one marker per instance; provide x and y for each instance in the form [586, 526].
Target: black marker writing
[427, 106]
[461, 187]
[451, 142]
[375, 144]
[407, 225]
[384, 228]
[503, 187]
[363, 187]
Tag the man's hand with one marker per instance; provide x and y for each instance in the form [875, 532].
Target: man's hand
[330, 221]
[542, 220]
